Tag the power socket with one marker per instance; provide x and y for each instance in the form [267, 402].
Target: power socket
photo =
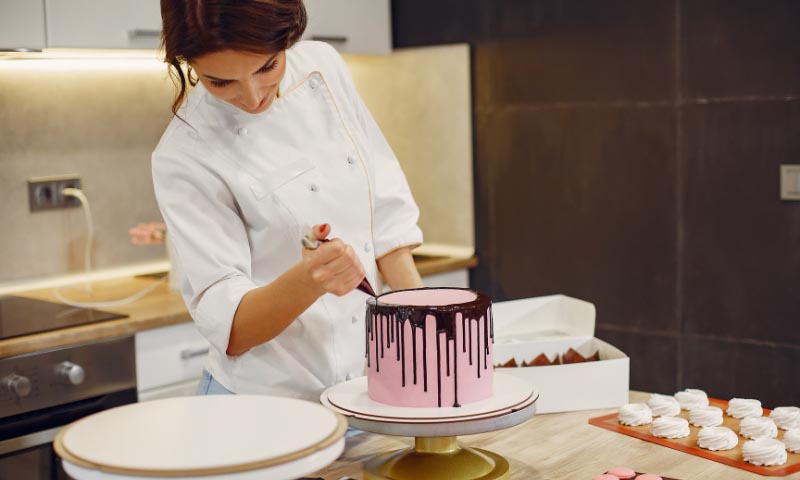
[45, 193]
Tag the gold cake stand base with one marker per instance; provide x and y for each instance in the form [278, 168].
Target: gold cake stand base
[436, 455]
[435, 458]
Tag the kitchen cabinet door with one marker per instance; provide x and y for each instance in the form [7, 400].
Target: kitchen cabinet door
[351, 26]
[455, 278]
[169, 360]
[103, 24]
[22, 25]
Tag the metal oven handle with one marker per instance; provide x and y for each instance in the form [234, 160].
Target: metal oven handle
[35, 439]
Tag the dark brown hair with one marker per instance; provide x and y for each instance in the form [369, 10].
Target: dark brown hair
[193, 28]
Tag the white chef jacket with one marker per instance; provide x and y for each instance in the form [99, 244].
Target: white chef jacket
[238, 190]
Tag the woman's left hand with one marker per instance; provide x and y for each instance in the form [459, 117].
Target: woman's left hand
[148, 233]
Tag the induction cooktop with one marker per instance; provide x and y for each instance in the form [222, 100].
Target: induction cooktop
[23, 316]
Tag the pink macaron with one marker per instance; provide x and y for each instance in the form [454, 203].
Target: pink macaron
[648, 476]
[622, 472]
[605, 476]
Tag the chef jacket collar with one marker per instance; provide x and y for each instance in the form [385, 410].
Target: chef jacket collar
[287, 82]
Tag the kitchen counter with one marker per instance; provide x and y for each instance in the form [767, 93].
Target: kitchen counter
[158, 308]
[557, 446]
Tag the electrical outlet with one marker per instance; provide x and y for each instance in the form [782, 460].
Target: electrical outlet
[45, 193]
[790, 181]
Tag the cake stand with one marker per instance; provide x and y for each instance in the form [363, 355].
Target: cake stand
[436, 453]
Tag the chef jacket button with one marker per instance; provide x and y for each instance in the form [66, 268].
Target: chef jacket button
[367, 247]
[349, 377]
[313, 187]
[242, 131]
[355, 318]
[313, 82]
[351, 160]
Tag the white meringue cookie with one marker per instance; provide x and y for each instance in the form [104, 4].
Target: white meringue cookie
[691, 398]
[744, 408]
[792, 440]
[786, 418]
[706, 416]
[758, 427]
[764, 452]
[717, 438]
[670, 427]
[664, 405]
[635, 414]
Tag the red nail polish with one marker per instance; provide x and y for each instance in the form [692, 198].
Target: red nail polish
[323, 227]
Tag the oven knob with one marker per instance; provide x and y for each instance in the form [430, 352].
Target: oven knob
[69, 372]
[17, 384]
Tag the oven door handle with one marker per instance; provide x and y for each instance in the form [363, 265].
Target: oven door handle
[35, 439]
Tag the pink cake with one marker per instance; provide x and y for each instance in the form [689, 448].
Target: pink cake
[429, 347]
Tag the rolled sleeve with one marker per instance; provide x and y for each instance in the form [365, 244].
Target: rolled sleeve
[216, 307]
[209, 239]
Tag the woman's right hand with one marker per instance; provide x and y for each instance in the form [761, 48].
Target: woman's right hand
[333, 266]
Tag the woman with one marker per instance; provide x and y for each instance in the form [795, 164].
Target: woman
[272, 139]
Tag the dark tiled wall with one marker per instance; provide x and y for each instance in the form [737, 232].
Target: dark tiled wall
[627, 153]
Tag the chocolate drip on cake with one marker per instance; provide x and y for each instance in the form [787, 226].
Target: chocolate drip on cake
[447, 354]
[414, 351]
[425, 357]
[439, 369]
[380, 336]
[464, 337]
[469, 327]
[397, 327]
[395, 317]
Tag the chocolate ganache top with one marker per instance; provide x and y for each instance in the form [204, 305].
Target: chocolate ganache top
[445, 314]
[480, 302]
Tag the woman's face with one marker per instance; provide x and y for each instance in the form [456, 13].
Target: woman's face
[244, 79]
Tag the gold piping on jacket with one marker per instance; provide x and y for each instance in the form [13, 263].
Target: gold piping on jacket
[358, 152]
[297, 85]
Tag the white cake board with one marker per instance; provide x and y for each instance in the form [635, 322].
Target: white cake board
[287, 471]
[513, 402]
[239, 437]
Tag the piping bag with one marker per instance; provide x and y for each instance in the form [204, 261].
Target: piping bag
[311, 242]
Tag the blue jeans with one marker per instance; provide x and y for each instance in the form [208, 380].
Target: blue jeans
[209, 386]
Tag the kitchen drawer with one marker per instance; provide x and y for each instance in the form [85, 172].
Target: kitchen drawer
[169, 355]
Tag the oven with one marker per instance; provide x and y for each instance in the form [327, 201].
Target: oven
[43, 391]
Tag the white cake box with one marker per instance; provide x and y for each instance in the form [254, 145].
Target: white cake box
[525, 328]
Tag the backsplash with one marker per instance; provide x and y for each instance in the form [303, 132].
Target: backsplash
[101, 119]
[421, 99]
[627, 153]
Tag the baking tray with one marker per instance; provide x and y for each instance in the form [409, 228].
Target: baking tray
[688, 444]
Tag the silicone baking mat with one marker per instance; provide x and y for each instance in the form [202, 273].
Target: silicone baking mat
[688, 444]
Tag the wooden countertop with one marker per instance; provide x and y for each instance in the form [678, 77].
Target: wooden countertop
[557, 446]
[159, 308]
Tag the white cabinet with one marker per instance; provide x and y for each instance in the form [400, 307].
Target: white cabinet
[103, 24]
[352, 26]
[169, 361]
[37, 24]
[22, 24]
